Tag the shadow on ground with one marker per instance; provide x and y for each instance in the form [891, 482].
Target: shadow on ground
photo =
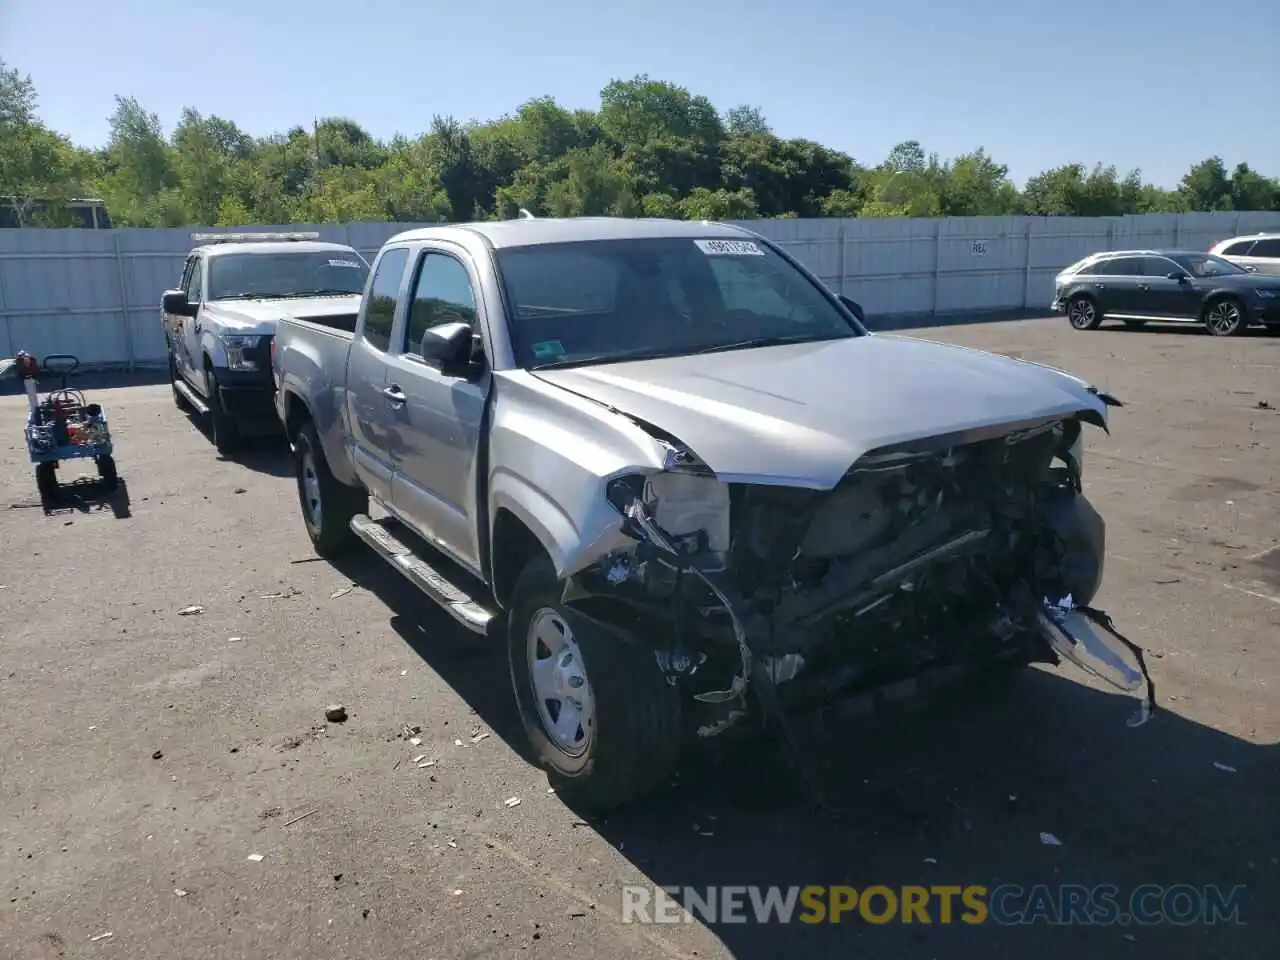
[84, 495]
[265, 453]
[956, 792]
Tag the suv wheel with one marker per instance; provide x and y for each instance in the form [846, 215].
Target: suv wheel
[1083, 313]
[1224, 317]
[598, 711]
[327, 504]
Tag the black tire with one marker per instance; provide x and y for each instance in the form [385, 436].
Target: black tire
[107, 472]
[328, 520]
[1225, 317]
[1083, 312]
[47, 480]
[179, 400]
[634, 741]
[225, 430]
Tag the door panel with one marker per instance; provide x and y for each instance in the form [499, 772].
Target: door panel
[370, 417]
[1162, 297]
[371, 411]
[434, 454]
[1118, 287]
[434, 449]
[193, 361]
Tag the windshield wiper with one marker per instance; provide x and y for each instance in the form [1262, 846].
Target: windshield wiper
[773, 341]
[327, 292]
[255, 296]
[643, 353]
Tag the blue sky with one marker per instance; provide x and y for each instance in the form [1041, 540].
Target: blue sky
[1155, 84]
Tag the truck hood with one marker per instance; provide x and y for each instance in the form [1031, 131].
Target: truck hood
[261, 316]
[802, 414]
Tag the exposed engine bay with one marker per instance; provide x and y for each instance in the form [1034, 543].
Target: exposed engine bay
[960, 550]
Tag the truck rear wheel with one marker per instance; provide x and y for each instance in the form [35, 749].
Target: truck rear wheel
[327, 504]
[598, 712]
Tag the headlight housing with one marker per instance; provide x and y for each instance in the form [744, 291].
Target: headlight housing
[241, 349]
[687, 500]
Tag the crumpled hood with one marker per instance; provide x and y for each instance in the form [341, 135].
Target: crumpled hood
[802, 414]
[261, 316]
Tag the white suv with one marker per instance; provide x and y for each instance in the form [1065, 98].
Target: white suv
[1261, 251]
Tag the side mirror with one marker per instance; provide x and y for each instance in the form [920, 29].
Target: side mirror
[1250, 268]
[854, 307]
[447, 346]
[1177, 275]
[175, 301]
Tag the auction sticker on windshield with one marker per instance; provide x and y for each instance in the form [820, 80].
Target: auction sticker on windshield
[729, 248]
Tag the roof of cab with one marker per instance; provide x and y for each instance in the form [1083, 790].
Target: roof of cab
[273, 246]
[532, 231]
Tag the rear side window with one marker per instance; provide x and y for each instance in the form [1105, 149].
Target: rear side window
[380, 311]
[1100, 268]
[1121, 267]
[1266, 248]
[1238, 249]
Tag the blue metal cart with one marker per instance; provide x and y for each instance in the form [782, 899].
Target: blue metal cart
[63, 425]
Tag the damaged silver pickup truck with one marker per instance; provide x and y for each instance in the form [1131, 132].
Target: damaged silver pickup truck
[684, 485]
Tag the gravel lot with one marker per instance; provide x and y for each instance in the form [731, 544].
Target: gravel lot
[145, 752]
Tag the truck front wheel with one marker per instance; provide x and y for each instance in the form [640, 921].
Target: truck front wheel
[598, 711]
[327, 504]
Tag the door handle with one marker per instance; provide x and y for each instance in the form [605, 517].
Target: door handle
[1102, 286]
[1144, 286]
[394, 394]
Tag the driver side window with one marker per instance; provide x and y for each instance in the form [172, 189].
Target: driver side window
[441, 294]
[195, 282]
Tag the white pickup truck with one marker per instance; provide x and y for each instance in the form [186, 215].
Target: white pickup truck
[682, 483]
[220, 321]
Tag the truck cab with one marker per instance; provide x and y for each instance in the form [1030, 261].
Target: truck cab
[219, 323]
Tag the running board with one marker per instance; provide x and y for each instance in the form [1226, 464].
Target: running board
[193, 398]
[455, 600]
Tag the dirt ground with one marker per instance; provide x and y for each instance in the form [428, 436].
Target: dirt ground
[145, 755]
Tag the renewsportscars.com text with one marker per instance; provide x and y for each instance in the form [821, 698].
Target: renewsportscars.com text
[1005, 905]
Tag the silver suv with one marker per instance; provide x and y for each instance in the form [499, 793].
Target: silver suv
[1259, 252]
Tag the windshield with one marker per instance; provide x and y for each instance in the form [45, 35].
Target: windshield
[293, 274]
[1207, 265]
[606, 300]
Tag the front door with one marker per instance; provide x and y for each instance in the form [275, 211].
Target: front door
[192, 360]
[1171, 299]
[435, 445]
[371, 409]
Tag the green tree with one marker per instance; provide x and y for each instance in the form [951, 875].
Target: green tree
[35, 163]
[1206, 186]
[652, 148]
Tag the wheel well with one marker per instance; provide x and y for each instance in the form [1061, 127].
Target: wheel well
[514, 545]
[295, 415]
[1218, 297]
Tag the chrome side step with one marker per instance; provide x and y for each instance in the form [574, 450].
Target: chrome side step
[455, 600]
[197, 402]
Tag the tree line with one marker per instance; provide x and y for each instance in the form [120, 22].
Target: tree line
[651, 149]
